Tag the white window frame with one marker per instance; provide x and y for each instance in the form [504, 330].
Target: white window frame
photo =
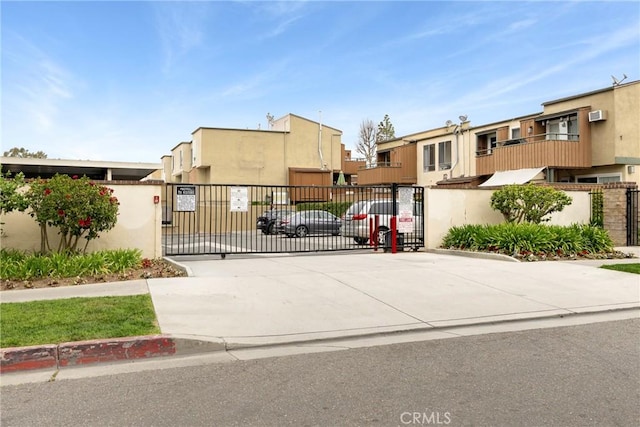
[429, 167]
[444, 148]
[599, 177]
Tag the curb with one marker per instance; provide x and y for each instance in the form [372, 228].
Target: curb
[56, 356]
[52, 356]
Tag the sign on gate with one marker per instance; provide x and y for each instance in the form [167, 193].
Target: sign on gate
[186, 198]
[405, 210]
[239, 199]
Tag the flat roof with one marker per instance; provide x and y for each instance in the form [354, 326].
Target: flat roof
[98, 170]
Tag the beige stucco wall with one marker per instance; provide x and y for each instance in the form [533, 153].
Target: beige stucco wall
[263, 157]
[446, 208]
[627, 121]
[138, 226]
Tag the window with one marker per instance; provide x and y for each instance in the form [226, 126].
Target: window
[515, 133]
[600, 179]
[180, 159]
[429, 158]
[486, 143]
[444, 155]
[562, 128]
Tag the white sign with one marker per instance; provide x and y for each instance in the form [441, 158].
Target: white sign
[185, 198]
[405, 222]
[405, 210]
[239, 199]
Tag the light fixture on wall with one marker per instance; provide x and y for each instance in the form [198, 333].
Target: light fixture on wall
[530, 130]
[631, 169]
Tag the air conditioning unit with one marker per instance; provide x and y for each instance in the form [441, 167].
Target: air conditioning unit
[597, 115]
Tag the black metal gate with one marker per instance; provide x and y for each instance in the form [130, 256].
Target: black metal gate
[632, 217]
[258, 219]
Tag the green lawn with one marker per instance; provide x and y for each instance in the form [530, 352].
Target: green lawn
[76, 319]
[627, 268]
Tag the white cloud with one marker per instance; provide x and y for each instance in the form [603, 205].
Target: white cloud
[181, 28]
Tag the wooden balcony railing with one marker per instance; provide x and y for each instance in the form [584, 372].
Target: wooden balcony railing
[352, 166]
[386, 173]
[550, 150]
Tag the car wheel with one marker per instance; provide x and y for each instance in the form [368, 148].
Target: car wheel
[360, 240]
[302, 231]
[270, 229]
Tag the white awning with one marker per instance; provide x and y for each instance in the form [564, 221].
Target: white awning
[518, 176]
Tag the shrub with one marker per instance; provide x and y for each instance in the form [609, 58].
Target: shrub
[597, 208]
[528, 203]
[10, 197]
[17, 265]
[77, 207]
[527, 238]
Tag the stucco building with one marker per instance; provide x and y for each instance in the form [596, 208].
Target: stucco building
[294, 151]
[592, 137]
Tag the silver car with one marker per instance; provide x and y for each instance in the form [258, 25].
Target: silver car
[304, 223]
[356, 221]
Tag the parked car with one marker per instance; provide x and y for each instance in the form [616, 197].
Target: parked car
[303, 223]
[267, 222]
[355, 222]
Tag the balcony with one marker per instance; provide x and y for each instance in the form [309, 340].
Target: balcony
[565, 151]
[387, 173]
[351, 167]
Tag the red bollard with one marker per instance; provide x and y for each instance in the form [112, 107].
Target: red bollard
[371, 242]
[376, 226]
[394, 234]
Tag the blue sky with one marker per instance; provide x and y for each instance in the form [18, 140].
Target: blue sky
[127, 81]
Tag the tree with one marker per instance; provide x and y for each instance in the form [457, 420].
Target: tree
[528, 203]
[76, 206]
[367, 141]
[24, 153]
[386, 131]
[11, 199]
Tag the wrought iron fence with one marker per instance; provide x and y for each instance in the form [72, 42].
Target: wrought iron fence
[239, 219]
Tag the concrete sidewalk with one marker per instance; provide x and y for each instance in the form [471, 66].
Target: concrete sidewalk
[259, 300]
[275, 300]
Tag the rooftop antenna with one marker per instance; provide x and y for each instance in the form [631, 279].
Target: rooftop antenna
[617, 82]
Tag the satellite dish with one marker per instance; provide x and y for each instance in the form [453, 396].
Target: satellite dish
[463, 118]
[617, 82]
[448, 123]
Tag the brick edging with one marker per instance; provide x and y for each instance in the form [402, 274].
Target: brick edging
[85, 352]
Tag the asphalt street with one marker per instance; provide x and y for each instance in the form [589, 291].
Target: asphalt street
[567, 376]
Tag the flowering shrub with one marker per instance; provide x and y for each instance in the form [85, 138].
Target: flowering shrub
[77, 207]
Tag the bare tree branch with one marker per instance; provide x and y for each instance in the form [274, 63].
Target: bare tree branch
[367, 142]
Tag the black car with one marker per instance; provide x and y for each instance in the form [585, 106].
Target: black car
[267, 221]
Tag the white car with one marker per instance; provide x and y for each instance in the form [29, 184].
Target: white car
[356, 221]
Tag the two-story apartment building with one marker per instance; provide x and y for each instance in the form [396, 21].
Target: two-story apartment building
[592, 137]
[294, 151]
